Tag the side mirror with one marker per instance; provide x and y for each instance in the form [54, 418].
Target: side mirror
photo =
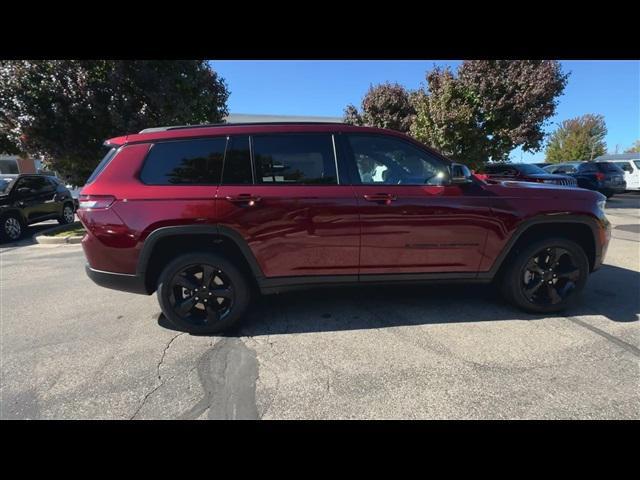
[460, 174]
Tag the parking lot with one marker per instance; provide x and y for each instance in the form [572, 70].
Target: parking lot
[73, 350]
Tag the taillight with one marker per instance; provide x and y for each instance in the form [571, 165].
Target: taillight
[600, 176]
[94, 202]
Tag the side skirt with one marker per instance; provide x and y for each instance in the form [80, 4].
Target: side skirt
[270, 286]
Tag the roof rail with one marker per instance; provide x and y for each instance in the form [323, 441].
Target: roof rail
[231, 124]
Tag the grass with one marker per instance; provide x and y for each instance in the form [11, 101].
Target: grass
[66, 233]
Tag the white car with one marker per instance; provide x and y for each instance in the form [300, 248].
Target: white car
[630, 163]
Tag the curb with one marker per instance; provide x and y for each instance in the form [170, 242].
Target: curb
[44, 239]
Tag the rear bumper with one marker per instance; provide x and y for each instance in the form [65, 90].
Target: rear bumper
[117, 281]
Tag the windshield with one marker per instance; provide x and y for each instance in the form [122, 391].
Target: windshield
[530, 169]
[608, 167]
[5, 183]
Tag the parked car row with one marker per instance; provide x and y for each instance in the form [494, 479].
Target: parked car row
[605, 177]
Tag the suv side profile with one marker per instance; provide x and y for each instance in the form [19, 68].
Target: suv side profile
[31, 198]
[207, 216]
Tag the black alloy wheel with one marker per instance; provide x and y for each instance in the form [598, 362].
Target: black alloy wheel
[203, 293]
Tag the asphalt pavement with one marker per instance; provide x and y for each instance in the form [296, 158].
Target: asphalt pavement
[73, 350]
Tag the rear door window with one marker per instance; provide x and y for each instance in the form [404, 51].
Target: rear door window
[295, 159]
[185, 162]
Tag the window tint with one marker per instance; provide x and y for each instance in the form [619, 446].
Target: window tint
[587, 168]
[637, 162]
[185, 162]
[103, 163]
[626, 166]
[237, 162]
[608, 167]
[294, 159]
[36, 184]
[385, 160]
[500, 170]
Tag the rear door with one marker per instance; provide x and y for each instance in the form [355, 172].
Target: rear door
[411, 221]
[290, 205]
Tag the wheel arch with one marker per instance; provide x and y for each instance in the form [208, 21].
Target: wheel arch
[165, 243]
[581, 229]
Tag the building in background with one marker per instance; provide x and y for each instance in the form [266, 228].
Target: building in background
[15, 164]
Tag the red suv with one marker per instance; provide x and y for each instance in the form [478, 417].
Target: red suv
[208, 215]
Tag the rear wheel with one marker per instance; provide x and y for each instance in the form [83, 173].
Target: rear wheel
[203, 293]
[547, 276]
[11, 228]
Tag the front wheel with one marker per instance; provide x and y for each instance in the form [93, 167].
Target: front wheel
[203, 293]
[547, 276]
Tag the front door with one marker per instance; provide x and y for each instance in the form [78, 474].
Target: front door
[412, 222]
[290, 208]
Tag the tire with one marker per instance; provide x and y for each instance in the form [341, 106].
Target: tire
[68, 214]
[525, 287]
[11, 228]
[220, 313]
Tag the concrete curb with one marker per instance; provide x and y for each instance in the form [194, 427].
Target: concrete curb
[44, 239]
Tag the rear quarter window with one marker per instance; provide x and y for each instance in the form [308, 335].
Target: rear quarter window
[103, 163]
[184, 162]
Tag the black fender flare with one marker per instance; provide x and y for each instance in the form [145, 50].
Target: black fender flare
[218, 231]
[592, 222]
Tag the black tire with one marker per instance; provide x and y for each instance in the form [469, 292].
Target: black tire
[68, 214]
[531, 291]
[8, 225]
[201, 318]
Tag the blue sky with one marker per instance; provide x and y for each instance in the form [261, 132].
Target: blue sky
[314, 87]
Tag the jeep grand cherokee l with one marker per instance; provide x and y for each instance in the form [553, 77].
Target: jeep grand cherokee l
[208, 215]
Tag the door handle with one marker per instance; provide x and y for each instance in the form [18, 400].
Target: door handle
[385, 198]
[244, 199]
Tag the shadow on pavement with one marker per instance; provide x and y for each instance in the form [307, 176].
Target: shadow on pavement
[27, 237]
[611, 292]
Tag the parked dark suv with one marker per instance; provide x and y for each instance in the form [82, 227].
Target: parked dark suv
[207, 216]
[32, 198]
[604, 177]
[525, 172]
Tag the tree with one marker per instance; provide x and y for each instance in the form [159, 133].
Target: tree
[489, 108]
[580, 138]
[63, 110]
[635, 148]
[387, 105]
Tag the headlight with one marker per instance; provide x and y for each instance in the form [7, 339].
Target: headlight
[601, 204]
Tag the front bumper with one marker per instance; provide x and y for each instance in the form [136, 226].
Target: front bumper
[117, 281]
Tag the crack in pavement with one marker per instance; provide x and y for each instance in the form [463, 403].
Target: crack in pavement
[154, 389]
[228, 373]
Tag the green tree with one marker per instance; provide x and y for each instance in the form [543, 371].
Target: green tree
[488, 109]
[580, 138]
[635, 148]
[63, 110]
[387, 105]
